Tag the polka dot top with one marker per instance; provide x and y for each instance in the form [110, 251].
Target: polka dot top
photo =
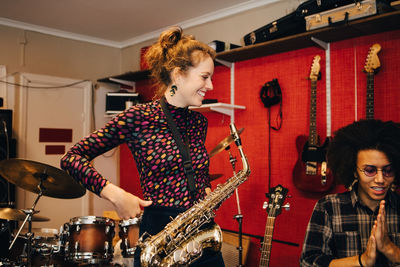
[145, 130]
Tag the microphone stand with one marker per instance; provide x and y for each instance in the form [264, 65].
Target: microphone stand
[238, 216]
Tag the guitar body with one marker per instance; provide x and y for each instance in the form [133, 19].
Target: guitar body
[310, 172]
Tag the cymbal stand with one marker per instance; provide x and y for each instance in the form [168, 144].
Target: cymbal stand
[29, 213]
[238, 216]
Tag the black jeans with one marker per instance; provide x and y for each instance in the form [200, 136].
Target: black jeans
[154, 219]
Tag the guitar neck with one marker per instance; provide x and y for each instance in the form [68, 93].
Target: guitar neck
[313, 137]
[266, 245]
[370, 95]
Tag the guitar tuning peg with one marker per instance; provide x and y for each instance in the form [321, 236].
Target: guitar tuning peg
[286, 206]
[265, 205]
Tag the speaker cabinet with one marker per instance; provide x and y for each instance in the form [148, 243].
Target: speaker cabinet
[8, 147]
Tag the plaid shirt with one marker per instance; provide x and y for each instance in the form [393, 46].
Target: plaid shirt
[341, 225]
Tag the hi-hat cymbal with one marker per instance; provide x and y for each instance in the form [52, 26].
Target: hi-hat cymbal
[224, 144]
[19, 215]
[215, 176]
[28, 175]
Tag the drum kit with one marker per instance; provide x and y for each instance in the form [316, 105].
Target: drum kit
[86, 240]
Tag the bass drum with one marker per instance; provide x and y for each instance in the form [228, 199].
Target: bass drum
[18, 252]
[5, 237]
[89, 240]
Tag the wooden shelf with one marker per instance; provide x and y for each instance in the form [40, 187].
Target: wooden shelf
[132, 76]
[365, 26]
[223, 108]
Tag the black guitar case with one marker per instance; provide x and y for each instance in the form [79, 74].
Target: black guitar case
[295, 22]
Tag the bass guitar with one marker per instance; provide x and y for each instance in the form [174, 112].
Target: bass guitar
[371, 67]
[310, 173]
[276, 197]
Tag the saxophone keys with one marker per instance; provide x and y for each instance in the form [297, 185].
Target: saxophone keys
[180, 256]
[194, 248]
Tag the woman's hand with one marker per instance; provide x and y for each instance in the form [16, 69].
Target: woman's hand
[126, 205]
[208, 191]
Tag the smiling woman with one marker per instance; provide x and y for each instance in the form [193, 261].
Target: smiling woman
[359, 227]
[166, 138]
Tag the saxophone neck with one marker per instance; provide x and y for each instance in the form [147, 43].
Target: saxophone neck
[238, 142]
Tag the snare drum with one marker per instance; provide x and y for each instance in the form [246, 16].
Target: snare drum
[89, 240]
[129, 234]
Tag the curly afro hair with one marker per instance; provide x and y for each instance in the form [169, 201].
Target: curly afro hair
[363, 135]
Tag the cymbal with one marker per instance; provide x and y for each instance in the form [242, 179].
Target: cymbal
[19, 215]
[224, 144]
[28, 175]
[215, 176]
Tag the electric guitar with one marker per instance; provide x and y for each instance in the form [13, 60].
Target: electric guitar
[310, 173]
[276, 197]
[371, 67]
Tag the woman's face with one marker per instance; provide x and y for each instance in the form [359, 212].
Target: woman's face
[373, 188]
[194, 83]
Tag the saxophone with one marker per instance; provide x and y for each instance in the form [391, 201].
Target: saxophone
[182, 240]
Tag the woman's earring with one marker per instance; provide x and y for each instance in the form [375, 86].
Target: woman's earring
[173, 90]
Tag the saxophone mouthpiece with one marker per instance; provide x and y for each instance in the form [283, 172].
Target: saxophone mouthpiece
[235, 134]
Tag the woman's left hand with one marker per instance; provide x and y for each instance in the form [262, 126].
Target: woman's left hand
[208, 191]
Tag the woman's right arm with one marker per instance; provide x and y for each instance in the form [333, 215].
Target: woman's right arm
[77, 162]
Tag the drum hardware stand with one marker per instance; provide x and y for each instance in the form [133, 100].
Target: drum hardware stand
[29, 213]
[239, 216]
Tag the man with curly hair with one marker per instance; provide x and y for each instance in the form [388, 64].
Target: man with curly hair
[360, 227]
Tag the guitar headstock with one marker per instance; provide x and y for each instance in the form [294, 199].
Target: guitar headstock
[372, 63]
[277, 196]
[315, 67]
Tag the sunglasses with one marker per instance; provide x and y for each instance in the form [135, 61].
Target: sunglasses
[371, 170]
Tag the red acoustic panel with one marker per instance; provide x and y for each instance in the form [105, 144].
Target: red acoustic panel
[55, 135]
[54, 150]
[129, 174]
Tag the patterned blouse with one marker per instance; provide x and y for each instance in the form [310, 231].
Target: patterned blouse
[145, 130]
[340, 226]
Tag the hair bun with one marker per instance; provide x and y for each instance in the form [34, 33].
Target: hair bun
[170, 38]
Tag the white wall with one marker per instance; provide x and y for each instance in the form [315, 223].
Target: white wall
[230, 29]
